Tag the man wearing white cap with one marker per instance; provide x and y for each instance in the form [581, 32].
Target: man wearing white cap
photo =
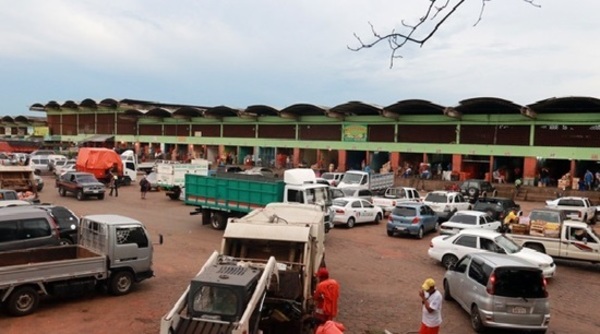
[432, 308]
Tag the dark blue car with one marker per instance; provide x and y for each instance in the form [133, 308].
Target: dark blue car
[412, 219]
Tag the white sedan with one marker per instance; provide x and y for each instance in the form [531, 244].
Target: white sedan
[448, 249]
[350, 211]
[469, 219]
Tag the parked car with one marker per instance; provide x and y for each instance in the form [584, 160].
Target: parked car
[55, 159]
[496, 207]
[446, 203]
[67, 221]
[498, 290]
[67, 168]
[81, 184]
[473, 189]
[469, 219]
[39, 163]
[26, 226]
[448, 249]
[365, 194]
[332, 178]
[352, 210]
[412, 219]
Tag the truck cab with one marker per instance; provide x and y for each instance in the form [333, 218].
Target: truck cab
[367, 180]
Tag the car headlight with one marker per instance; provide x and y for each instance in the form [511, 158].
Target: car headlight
[86, 188]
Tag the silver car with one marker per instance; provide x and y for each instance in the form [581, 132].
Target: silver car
[499, 291]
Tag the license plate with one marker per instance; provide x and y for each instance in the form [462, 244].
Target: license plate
[519, 310]
[95, 191]
[401, 228]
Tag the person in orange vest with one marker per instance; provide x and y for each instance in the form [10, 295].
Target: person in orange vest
[326, 296]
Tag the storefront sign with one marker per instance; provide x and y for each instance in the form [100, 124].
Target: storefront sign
[355, 133]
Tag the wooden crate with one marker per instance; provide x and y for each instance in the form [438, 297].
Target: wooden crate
[519, 229]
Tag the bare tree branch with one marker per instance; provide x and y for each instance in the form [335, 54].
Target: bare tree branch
[438, 14]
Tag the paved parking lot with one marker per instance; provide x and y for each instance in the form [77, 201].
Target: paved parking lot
[379, 276]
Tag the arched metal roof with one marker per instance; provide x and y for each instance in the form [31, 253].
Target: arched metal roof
[159, 112]
[357, 108]
[415, 107]
[89, 103]
[21, 119]
[221, 111]
[8, 119]
[262, 110]
[487, 105]
[302, 109]
[53, 105]
[566, 105]
[70, 104]
[188, 112]
[109, 103]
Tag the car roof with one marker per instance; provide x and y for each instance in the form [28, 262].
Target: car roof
[503, 260]
[480, 232]
[470, 213]
[13, 202]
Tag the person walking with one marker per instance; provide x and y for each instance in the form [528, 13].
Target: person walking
[114, 185]
[144, 186]
[431, 299]
[326, 297]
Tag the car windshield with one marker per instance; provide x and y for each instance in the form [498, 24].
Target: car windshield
[436, 198]
[395, 193]
[404, 211]
[509, 246]
[86, 178]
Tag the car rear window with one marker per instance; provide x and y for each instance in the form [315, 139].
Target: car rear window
[404, 211]
[464, 219]
[436, 198]
[519, 282]
[570, 202]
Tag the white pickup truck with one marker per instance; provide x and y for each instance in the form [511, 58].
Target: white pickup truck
[576, 208]
[549, 231]
[395, 195]
[446, 203]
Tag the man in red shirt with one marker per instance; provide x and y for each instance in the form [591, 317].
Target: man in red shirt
[326, 296]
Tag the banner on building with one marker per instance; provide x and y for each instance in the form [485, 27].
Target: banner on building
[355, 133]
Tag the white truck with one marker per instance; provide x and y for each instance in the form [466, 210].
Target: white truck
[170, 175]
[367, 180]
[113, 251]
[549, 231]
[131, 165]
[576, 208]
[446, 203]
[20, 179]
[395, 195]
[262, 279]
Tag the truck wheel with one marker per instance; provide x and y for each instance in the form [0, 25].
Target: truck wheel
[120, 283]
[206, 217]
[61, 191]
[79, 195]
[536, 247]
[350, 223]
[174, 195]
[23, 301]
[218, 220]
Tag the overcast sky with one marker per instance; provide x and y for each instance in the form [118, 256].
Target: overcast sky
[278, 53]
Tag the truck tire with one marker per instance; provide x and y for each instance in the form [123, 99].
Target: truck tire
[536, 247]
[175, 193]
[61, 191]
[79, 195]
[23, 301]
[206, 217]
[120, 283]
[219, 220]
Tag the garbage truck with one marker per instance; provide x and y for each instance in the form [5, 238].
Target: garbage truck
[226, 195]
[262, 279]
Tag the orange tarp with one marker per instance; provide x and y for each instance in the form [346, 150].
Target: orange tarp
[97, 161]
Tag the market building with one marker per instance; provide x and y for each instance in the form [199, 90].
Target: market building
[481, 137]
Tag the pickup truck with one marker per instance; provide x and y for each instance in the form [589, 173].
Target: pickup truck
[446, 203]
[576, 208]
[81, 184]
[549, 231]
[394, 195]
[113, 252]
[366, 180]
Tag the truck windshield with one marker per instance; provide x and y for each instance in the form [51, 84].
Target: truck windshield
[318, 196]
[215, 300]
[351, 178]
